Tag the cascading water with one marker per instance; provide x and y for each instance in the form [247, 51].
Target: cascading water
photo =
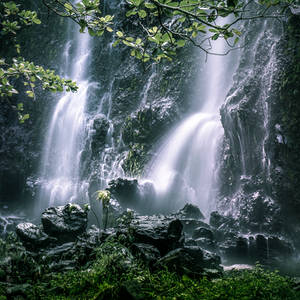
[184, 170]
[64, 141]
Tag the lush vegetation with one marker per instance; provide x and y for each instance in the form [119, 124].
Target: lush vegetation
[159, 29]
[113, 273]
[14, 68]
[163, 26]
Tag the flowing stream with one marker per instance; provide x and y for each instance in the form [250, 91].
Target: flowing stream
[185, 168]
[64, 141]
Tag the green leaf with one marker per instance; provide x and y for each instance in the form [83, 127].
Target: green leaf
[37, 21]
[131, 13]
[119, 34]
[30, 94]
[68, 6]
[180, 43]
[142, 14]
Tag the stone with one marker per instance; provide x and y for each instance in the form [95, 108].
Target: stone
[216, 220]
[202, 232]
[189, 211]
[206, 244]
[100, 129]
[125, 191]
[62, 265]
[162, 232]
[32, 236]
[65, 222]
[131, 194]
[148, 253]
[190, 260]
[189, 225]
[57, 253]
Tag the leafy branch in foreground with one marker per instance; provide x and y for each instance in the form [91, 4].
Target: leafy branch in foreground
[13, 19]
[161, 27]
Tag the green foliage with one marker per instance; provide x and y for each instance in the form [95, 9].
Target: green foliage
[115, 270]
[85, 13]
[135, 160]
[161, 27]
[16, 264]
[13, 19]
[104, 197]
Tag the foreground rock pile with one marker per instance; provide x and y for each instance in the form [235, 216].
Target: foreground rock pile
[159, 241]
[181, 242]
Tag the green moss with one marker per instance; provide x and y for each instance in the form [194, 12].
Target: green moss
[135, 161]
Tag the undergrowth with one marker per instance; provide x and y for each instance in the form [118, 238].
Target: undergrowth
[116, 274]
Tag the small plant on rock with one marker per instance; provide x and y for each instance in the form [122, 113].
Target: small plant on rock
[104, 197]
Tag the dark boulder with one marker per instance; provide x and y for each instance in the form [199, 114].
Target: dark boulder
[217, 220]
[203, 232]
[32, 236]
[132, 194]
[206, 244]
[148, 253]
[99, 133]
[190, 260]
[162, 232]
[189, 211]
[125, 191]
[65, 222]
[189, 225]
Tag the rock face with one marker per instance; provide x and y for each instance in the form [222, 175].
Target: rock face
[189, 211]
[191, 260]
[33, 236]
[65, 222]
[163, 233]
[259, 161]
[132, 194]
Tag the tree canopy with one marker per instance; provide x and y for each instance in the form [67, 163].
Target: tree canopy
[160, 28]
[163, 26]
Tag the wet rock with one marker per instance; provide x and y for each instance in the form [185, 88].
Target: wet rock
[62, 265]
[206, 244]
[189, 225]
[125, 191]
[100, 128]
[162, 232]
[133, 195]
[278, 247]
[189, 211]
[262, 251]
[59, 252]
[190, 260]
[217, 220]
[148, 253]
[9, 224]
[65, 222]
[203, 232]
[32, 236]
[190, 242]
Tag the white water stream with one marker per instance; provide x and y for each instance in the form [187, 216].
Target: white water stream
[185, 168]
[64, 141]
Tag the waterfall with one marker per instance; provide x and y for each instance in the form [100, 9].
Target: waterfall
[184, 170]
[60, 166]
